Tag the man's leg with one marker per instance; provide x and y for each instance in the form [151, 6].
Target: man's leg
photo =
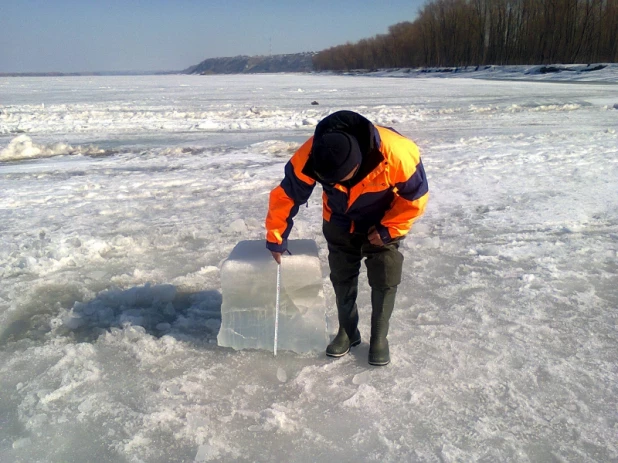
[384, 267]
[344, 257]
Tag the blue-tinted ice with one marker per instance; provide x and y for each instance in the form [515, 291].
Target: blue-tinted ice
[249, 282]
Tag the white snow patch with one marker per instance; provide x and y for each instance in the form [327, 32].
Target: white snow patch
[22, 147]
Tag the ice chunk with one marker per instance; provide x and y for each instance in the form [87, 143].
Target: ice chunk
[203, 453]
[249, 282]
[238, 226]
[22, 443]
[362, 378]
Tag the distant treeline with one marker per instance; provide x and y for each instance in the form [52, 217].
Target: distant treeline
[480, 32]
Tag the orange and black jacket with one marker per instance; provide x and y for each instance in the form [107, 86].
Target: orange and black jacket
[389, 191]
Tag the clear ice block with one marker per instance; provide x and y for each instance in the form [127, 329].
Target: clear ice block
[249, 284]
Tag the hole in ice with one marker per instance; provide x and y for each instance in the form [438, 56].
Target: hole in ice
[158, 309]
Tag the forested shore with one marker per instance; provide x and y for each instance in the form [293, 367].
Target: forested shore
[482, 32]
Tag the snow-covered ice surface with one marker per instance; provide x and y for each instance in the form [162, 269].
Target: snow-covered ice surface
[121, 196]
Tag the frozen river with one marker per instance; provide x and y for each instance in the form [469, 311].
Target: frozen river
[121, 196]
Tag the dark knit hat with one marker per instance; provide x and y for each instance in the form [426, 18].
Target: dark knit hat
[335, 155]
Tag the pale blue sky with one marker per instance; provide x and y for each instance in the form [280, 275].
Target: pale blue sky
[125, 35]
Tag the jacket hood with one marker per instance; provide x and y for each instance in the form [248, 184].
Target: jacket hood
[360, 128]
[351, 123]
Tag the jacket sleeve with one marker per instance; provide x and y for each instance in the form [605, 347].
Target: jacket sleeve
[411, 192]
[286, 198]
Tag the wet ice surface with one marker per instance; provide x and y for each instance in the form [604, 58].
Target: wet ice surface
[249, 289]
[504, 337]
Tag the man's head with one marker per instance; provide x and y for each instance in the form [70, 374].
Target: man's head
[336, 155]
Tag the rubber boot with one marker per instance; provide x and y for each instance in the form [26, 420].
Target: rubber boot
[382, 304]
[347, 313]
[342, 343]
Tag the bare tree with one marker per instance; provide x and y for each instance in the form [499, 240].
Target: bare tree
[474, 32]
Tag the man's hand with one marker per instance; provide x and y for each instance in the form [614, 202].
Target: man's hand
[374, 237]
[276, 256]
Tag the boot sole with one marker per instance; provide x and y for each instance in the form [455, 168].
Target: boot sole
[379, 364]
[354, 344]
